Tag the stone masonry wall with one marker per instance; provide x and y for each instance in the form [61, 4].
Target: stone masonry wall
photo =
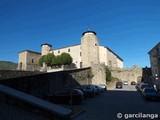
[43, 84]
[99, 72]
[127, 74]
[5, 74]
[40, 85]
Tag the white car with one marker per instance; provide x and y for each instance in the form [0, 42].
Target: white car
[125, 83]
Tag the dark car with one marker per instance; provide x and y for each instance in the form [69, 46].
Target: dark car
[133, 83]
[88, 90]
[144, 85]
[96, 88]
[119, 85]
[91, 90]
[103, 86]
[74, 96]
[150, 93]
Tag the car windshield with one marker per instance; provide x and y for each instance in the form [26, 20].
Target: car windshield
[119, 83]
[88, 87]
[149, 90]
[143, 86]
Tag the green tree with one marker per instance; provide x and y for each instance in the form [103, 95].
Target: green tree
[65, 59]
[41, 60]
[52, 60]
[108, 75]
[48, 59]
[56, 61]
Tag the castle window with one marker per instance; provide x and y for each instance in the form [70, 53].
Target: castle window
[95, 44]
[80, 53]
[32, 60]
[20, 66]
[58, 51]
[110, 63]
[80, 64]
[68, 49]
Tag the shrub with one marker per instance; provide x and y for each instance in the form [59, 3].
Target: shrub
[108, 75]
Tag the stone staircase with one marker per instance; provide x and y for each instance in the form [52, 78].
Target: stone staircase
[54, 109]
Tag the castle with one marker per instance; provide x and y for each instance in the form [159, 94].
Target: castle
[85, 54]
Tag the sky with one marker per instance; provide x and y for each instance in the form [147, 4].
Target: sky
[130, 28]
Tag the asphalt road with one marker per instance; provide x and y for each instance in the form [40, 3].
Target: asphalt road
[127, 103]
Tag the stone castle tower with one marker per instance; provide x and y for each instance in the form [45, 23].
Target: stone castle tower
[46, 48]
[90, 48]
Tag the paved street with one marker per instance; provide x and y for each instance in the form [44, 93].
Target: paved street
[125, 101]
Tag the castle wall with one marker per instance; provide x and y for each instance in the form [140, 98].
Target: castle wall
[112, 59]
[103, 55]
[74, 51]
[99, 74]
[46, 48]
[7, 74]
[119, 63]
[29, 60]
[127, 74]
[22, 64]
[33, 61]
[90, 49]
[109, 58]
[42, 84]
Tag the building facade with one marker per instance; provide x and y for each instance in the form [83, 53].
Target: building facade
[29, 60]
[154, 55]
[85, 54]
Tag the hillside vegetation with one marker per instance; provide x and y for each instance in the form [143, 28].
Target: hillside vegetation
[6, 65]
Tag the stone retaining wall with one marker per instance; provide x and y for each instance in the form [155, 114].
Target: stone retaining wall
[42, 84]
[4, 74]
[127, 74]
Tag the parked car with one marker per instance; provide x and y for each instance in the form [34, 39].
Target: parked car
[84, 90]
[119, 85]
[74, 96]
[103, 86]
[133, 83]
[143, 85]
[150, 93]
[125, 83]
[95, 88]
[89, 90]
